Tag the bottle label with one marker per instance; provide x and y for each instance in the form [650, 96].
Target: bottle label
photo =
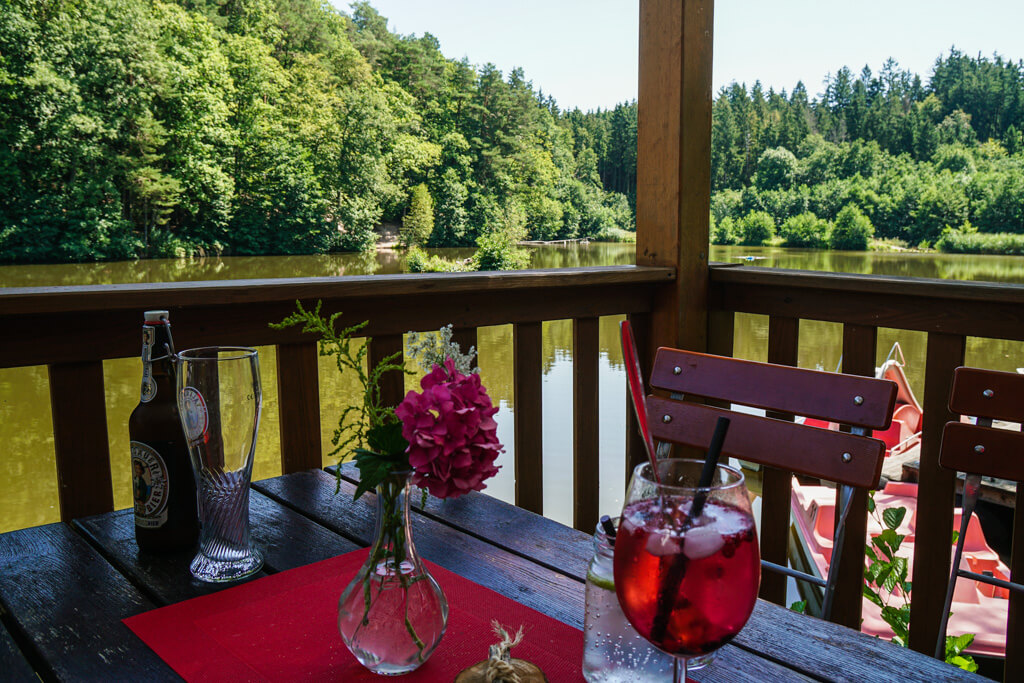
[148, 383]
[194, 415]
[150, 486]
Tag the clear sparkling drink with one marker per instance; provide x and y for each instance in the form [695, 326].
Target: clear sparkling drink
[612, 650]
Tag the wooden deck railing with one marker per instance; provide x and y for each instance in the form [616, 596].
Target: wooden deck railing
[72, 330]
[949, 312]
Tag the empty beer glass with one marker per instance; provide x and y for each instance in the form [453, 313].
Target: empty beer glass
[219, 399]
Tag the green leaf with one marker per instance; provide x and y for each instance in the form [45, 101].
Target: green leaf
[893, 517]
[387, 439]
[957, 644]
[373, 469]
[799, 606]
[965, 663]
[871, 502]
[898, 620]
[956, 537]
[869, 551]
[872, 596]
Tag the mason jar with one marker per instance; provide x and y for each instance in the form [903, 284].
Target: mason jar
[612, 649]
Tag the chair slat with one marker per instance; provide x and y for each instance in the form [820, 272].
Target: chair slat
[847, 399]
[298, 400]
[802, 449]
[1001, 451]
[586, 350]
[636, 453]
[1004, 402]
[529, 448]
[78, 405]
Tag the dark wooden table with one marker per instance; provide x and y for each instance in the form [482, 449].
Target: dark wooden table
[64, 589]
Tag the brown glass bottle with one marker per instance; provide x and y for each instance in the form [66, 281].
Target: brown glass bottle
[162, 481]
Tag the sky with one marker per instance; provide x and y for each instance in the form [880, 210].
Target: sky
[584, 52]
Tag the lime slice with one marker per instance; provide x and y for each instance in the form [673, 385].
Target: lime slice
[601, 582]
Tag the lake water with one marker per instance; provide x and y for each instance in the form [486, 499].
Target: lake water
[28, 482]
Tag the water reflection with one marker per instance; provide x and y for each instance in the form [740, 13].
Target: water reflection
[28, 486]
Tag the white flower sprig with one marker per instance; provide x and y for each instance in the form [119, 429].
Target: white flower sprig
[433, 348]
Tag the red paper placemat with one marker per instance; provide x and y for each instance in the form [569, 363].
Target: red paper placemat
[284, 628]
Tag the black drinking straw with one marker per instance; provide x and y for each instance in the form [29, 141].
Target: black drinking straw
[676, 571]
[609, 529]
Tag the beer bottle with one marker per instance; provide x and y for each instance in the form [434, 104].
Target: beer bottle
[162, 481]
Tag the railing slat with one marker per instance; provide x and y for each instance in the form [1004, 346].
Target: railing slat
[935, 491]
[466, 338]
[586, 349]
[298, 400]
[529, 435]
[859, 349]
[776, 488]
[78, 405]
[392, 383]
[1014, 670]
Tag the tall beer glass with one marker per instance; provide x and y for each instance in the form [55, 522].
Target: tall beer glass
[219, 399]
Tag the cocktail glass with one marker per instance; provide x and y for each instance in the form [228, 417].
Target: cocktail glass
[686, 582]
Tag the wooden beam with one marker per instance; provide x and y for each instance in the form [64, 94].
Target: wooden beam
[674, 162]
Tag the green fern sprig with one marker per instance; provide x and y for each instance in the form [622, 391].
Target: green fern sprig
[355, 420]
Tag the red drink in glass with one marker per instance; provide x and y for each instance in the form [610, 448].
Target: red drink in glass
[702, 578]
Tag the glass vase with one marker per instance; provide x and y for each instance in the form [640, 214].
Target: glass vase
[393, 614]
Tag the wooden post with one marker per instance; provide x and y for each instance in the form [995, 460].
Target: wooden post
[674, 163]
[298, 400]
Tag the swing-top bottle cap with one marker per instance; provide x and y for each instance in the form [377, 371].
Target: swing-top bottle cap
[158, 317]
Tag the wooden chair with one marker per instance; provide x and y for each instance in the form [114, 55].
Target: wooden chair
[980, 450]
[852, 460]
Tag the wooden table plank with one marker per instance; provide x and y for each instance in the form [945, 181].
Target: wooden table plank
[68, 602]
[511, 528]
[13, 665]
[552, 593]
[286, 539]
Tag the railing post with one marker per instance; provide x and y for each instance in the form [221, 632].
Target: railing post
[674, 162]
[860, 344]
[78, 404]
[586, 351]
[776, 484]
[298, 400]
[527, 348]
[935, 491]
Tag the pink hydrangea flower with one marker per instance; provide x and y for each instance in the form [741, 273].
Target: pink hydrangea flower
[451, 431]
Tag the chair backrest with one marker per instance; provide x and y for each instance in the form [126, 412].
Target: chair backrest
[853, 460]
[864, 403]
[980, 450]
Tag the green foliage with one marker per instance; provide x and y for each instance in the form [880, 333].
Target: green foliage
[886, 584]
[419, 222]
[756, 228]
[805, 230]
[852, 229]
[417, 261]
[776, 169]
[357, 422]
[725, 232]
[965, 242]
[497, 250]
[136, 128]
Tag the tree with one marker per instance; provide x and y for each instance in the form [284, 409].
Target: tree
[418, 224]
[852, 230]
[776, 169]
[756, 228]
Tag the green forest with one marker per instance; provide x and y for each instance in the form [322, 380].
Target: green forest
[141, 128]
[147, 128]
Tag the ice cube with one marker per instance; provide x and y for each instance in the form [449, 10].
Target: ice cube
[702, 541]
[663, 542]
